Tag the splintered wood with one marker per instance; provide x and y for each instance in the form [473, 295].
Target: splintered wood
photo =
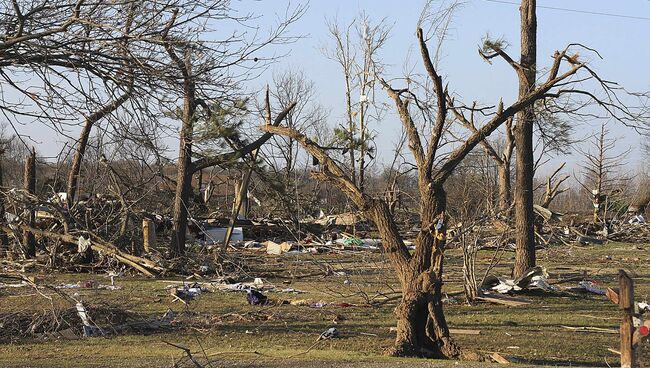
[148, 235]
[626, 304]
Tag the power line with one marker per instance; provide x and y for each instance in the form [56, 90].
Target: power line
[576, 10]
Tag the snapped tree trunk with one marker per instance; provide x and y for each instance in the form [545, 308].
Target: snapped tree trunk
[4, 239]
[524, 218]
[29, 182]
[348, 102]
[75, 167]
[82, 143]
[505, 190]
[362, 148]
[184, 166]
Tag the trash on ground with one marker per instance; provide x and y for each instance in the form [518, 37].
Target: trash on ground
[254, 297]
[534, 278]
[330, 333]
[592, 288]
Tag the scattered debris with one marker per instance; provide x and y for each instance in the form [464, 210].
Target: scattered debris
[89, 328]
[588, 240]
[187, 292]
[590, 287]
[637, 220]
[89, 284]
[591, 329]
[535, 277]
[502, 299]
[217, 235]
[277, 249]
[254, 297]
[330, 333]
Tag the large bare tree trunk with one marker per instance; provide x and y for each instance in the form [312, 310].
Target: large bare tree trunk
[421, 325]
[29, 182]
[524, 219]
[184, 166]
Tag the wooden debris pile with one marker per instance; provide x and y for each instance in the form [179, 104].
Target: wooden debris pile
[628, 233]
[97, 227]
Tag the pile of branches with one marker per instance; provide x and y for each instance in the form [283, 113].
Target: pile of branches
[628, 233]
[92, 227]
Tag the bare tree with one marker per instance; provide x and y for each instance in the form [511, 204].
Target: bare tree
[501, 156]
[356, 50]
[602, 176]
[422, 328]
[554, 103]
[553, 186]
[285, 163]
[292, 86]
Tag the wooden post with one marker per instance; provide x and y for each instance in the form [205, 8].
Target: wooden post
[4, 239]
[29, 182]
[626, 304]
[241, 201]
[148, 234]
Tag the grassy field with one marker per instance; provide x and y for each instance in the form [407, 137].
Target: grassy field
[222, 328]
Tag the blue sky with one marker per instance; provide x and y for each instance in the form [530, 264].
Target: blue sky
[622, 42]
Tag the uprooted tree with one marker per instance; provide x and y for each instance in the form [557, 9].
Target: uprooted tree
[421, 326]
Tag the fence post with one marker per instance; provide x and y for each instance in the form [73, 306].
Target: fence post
[626, 304]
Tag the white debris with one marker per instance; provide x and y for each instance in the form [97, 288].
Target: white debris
[83, 244]
[590, 287]
[637, 220]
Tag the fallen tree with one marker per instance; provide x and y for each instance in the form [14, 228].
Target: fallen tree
[143, 265]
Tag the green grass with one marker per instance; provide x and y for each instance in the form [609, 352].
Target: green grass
[236, 334]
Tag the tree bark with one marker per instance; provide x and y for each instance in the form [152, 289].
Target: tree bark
[505, 187]
[524, 218]
[4, 239]
[348, 103]
[29, 182]
[184, 165]
[82, 143]
[422, 329]
[421, 326]
[362, 148]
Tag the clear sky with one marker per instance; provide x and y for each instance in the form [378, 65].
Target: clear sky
[622, 41]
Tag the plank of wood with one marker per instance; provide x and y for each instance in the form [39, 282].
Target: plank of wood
[499, 358]
[591, 329]
[460, 331]
[612, 294]
[509, 301]
[614, 351]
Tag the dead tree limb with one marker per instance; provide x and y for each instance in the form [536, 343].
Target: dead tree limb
[145, 266]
